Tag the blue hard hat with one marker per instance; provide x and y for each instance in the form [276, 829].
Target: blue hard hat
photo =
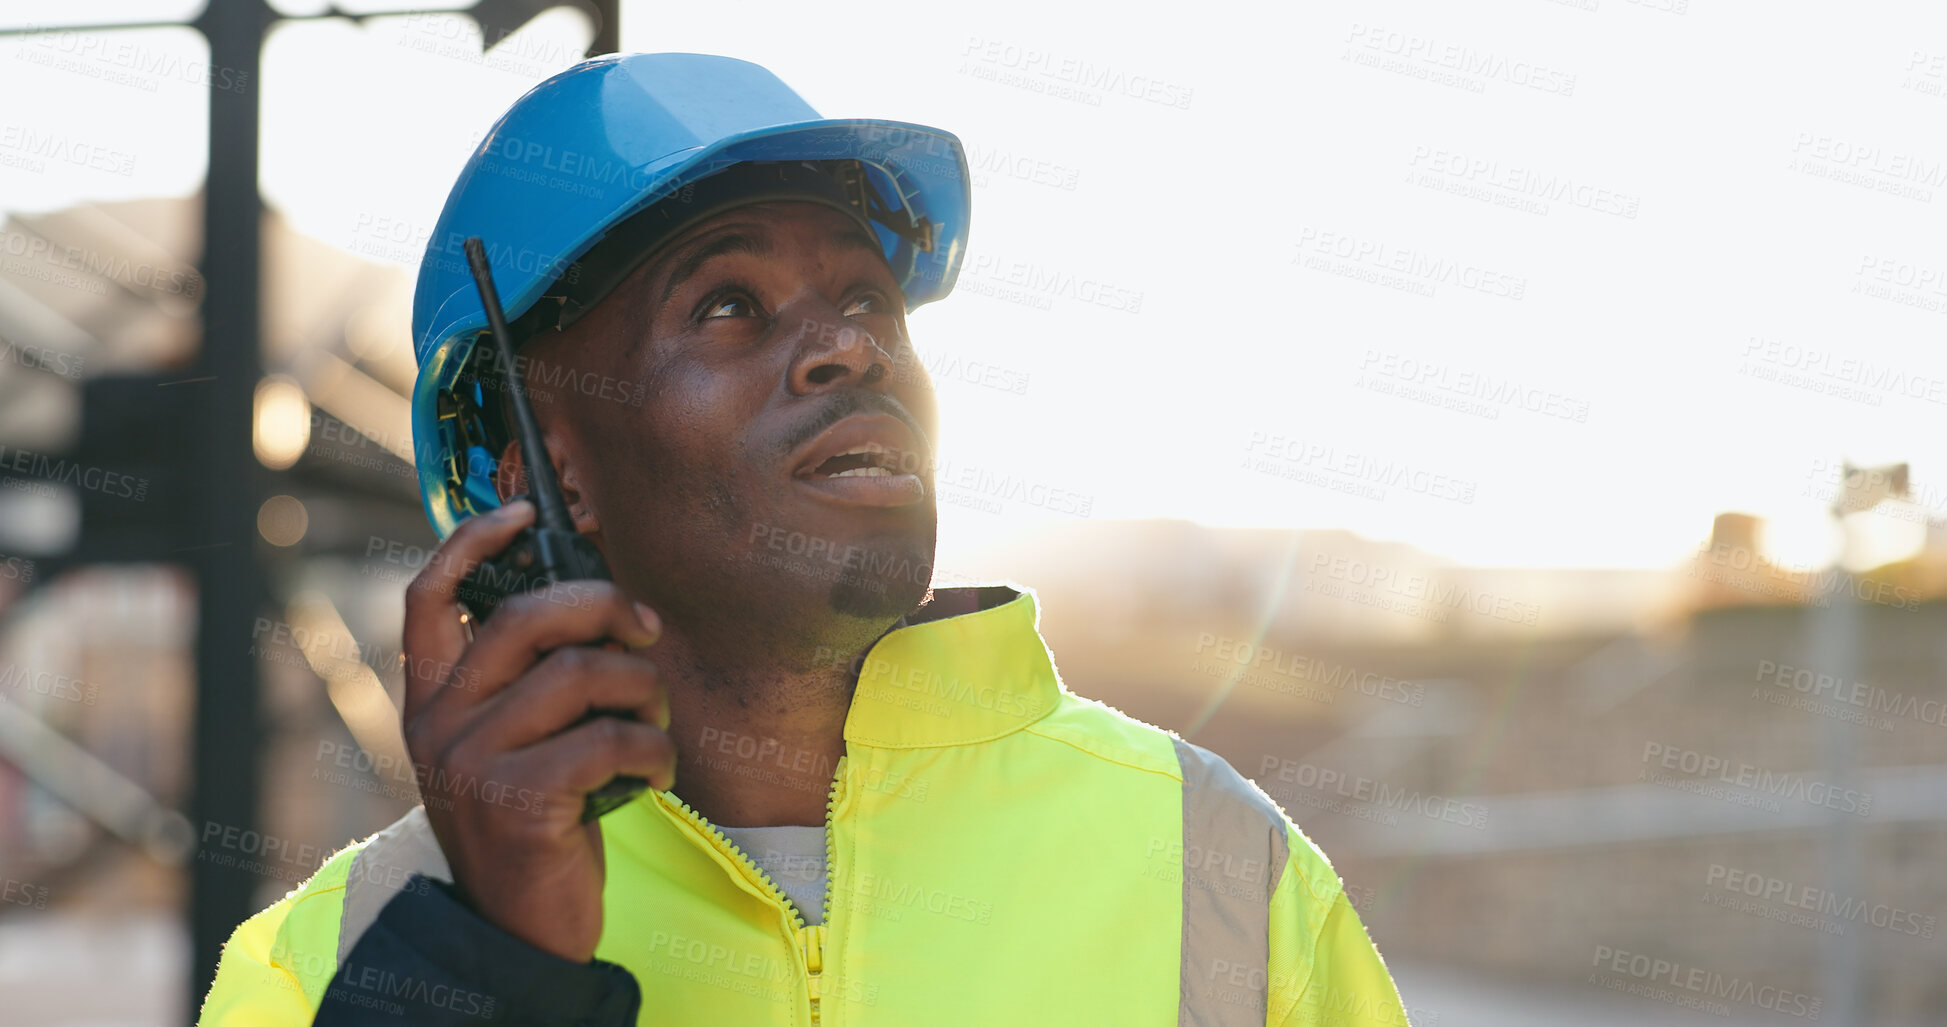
[581, 154]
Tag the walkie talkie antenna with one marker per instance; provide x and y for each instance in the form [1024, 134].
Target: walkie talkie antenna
[542, 487]
[548, 551]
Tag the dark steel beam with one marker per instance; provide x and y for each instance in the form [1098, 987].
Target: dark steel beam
[225, 488]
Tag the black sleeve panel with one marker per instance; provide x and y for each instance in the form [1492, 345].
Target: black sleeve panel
[429, 960]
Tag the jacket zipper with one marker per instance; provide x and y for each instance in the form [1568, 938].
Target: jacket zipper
[810, 940]
[814, 938]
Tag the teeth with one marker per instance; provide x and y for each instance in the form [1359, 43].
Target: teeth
[864, 472]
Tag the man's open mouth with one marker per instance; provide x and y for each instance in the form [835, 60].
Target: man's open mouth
[865, 459]
[868, 461]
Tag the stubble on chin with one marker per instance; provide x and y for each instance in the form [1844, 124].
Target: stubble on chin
[889, 584]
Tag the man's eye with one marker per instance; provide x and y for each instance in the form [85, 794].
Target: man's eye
[870, 303]
[730, 306]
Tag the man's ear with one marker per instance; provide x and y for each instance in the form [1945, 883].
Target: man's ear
[510, 480]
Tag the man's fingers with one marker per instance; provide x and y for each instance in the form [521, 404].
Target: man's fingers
[565, 687]
[582, 759]
[525, 628]
[433, 635]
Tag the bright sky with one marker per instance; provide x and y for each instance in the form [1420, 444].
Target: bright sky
[1484, 281]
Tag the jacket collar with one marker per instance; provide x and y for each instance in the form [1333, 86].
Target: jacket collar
[950, 678]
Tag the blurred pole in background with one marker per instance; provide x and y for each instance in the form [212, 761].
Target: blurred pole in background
[224, 488]
[1835, 651]
[1835, 633]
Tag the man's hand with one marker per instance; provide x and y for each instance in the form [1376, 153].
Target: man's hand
[502, 756]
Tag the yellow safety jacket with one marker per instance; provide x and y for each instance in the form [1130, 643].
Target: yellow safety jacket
[1000, 851]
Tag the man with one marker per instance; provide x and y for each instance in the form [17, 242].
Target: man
[870, 803]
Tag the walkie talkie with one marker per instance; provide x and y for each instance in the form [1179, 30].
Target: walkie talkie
[551, 549]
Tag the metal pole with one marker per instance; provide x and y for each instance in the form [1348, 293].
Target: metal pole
[1835, 651]
[224, 486]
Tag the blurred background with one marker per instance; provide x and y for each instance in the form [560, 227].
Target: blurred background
[1502, 433]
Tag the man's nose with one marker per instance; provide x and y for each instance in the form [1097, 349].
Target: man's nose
[833, 349]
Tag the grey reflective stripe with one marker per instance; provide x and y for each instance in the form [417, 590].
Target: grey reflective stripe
[382, 868]
[1234, 853]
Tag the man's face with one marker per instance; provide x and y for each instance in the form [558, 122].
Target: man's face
[780, 465]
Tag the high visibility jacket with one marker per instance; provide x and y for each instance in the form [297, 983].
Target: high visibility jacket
[1000, 851]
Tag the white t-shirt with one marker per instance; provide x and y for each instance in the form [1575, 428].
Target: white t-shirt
[794, 857]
